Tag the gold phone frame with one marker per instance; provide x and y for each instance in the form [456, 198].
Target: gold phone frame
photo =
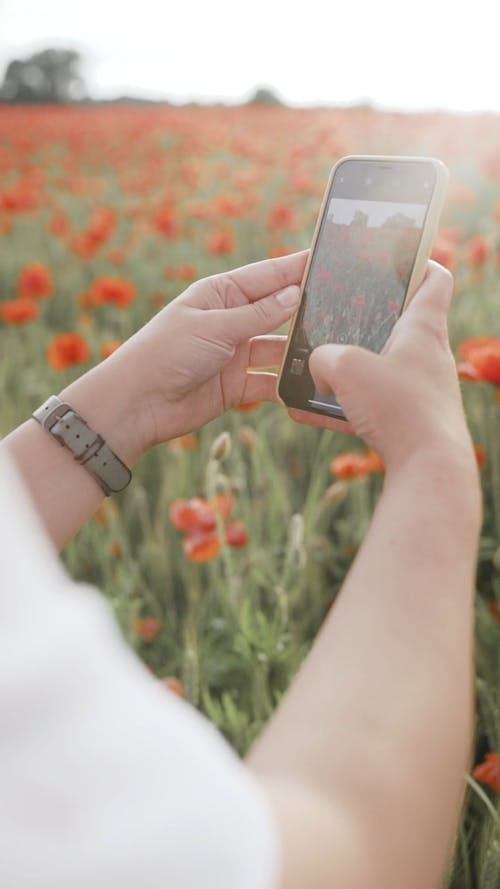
[423, 253]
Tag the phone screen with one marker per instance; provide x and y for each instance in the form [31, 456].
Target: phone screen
[360, 268]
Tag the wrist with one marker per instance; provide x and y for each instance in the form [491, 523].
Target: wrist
[447, 469]
[108, 401]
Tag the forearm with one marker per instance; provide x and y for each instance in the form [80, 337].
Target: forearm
[380, 717]
[64, 493]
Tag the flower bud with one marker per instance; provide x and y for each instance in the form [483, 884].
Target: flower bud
[248, 437]
[335, 494]
[297, 532]
[221, 447]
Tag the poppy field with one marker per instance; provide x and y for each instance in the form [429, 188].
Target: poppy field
[225, 553]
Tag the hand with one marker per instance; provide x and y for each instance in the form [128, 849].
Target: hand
[202, 353]
[408, 397]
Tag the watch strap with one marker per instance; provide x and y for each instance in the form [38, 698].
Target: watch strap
[87, 446]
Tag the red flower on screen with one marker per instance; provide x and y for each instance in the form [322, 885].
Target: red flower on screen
[359, 300]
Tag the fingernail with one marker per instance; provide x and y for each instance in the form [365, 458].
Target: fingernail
[289, 296]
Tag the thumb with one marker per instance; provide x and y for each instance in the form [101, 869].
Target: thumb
[256, 318]
[340, 370]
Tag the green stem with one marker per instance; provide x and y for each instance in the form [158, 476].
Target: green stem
[464, 853]
[361, 511]
[317, 485]
[233, 581]
[191, 671]
[485, 799]
[493, 431]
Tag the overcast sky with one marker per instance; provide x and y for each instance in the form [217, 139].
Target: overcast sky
[428, 54]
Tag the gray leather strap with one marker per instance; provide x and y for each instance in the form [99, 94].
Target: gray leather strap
[88, 447]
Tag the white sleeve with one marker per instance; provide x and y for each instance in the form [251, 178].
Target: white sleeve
[106, 778]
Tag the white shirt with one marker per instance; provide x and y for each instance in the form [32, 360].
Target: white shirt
[107, 779]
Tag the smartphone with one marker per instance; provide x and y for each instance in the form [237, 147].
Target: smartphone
[373, 238]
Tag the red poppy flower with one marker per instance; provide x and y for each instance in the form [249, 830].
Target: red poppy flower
[117, 255]
[35, 280]
[173, 684]
[98, 231]
[201, 546]
[18, 311]
[192, 515]
[67, 349]
[108, 347]
[236, 534]
[444, 252]
[486, 362]
[467, 372]
[109, 289]
[183, 272]
[103, 222]
[221, 241]
[488, 772]
[282, 251]
[228, 205]
[147, 628]
[282, 216]
[20, 198]
[85, 244]
[248, 406]
[494, 608]
[480, 455]
[5, 225]
[348, 465]
[187, 442]
[354, 465]
[59, 224]
[223, 504]
[325, 275]
[475, 342]
[478, 250]
[165, 221]
[373, 462]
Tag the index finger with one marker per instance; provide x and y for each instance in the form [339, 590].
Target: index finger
[262, 278]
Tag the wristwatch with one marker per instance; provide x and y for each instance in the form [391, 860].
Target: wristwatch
[88, 447]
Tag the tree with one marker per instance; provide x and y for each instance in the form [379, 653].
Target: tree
[360, 218]
[264, 96]
[51, 75]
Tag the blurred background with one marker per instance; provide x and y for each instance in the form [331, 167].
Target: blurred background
[421, 56]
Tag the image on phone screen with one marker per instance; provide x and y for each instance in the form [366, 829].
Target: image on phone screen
[360, 269]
